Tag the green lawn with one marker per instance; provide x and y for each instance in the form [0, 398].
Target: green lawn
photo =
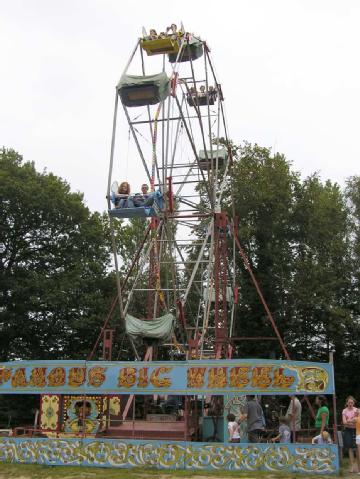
[24, 471]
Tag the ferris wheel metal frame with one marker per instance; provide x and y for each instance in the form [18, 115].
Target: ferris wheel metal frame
[210, 251]
[170, 173]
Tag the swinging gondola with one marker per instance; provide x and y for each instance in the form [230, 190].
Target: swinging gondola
[190, 50]
[213, 159]
[143, 90]
[160, 46]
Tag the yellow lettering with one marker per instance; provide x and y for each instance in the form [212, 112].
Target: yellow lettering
[160, 382]
[76, 377]
[38, 377]
[196, 377]
[217, 377]
[127, 377]
[239, 377]
[56, 377]
[96, 376]
[261, 377]
[5, 374]
[143, 381]
[282, 381]
[19, 379]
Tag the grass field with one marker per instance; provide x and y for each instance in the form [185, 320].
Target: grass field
[24, 471]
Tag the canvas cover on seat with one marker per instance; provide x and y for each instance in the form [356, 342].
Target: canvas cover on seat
[159, 328]
[193, 49]
[143, 90]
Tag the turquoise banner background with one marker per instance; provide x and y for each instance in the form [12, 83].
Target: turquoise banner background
[251, 376]
[291, 458]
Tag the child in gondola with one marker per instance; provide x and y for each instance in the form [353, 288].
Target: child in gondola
[153, 35]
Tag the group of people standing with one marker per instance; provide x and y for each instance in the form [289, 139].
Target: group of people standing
[289, 424]
[254, 418]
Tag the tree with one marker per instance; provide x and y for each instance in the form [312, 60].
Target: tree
[263, 188]
[53, 279]
[347, 353]
[321, 279]
[302, 239]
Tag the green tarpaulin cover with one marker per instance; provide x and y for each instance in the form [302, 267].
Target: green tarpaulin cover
[221, 154]
[143, 90]
[194, 49]
[158, 328]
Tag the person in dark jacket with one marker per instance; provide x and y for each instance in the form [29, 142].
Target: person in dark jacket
[254, 416]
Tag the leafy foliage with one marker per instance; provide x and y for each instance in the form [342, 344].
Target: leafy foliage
[302, 239]
[53, 280]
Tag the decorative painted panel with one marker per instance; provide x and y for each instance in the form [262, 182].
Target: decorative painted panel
[114, 405]
[49, 412]
[246, 376]
[81, 415]
[301, 458]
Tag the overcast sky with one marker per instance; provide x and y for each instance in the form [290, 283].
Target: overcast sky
[290, 73]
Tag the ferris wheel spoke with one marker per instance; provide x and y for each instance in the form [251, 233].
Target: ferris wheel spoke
[137, 144]
[196, 156]
[176, 126]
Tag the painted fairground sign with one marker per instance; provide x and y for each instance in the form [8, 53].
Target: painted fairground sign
[290, 458]
[170, 377]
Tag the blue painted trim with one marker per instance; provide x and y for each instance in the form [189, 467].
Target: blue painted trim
[117, 453]
[138, 212]
[222, 377]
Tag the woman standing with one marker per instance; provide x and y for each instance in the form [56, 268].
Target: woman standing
[322, 415]
[348, 420]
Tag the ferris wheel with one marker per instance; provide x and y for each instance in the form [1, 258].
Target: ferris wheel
[182, 275]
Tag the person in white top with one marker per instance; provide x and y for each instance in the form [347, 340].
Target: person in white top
[233, 428]
[294, 416]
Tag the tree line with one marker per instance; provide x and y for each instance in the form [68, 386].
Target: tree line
[301, 235]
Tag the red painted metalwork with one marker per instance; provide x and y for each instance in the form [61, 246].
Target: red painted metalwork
[231, 160]
[153, 269]
[107, 344]
[220, 274]
[115, 300]
[267, 310]
[186, 418]
[173, 83]
[255, 338]
[236, 294]
[170, 194]
[200, 215]
[262, 299]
